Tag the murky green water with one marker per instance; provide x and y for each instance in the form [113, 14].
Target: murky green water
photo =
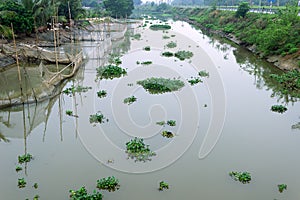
[235, 131]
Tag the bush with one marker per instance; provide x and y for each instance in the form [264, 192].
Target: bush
[242, 9]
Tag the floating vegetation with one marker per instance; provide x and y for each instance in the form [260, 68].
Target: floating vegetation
[195, 80]
[146, 63]
[137, 36]
[161, 123]
[82, 194]
[130, 100]
[147, 48]
[167, 54]
[203, 73]
[69, 112]
[243, 177]
[156, 27]
[282, 187]
[110, 183]
[21, 183]
[278, 108]
[138, 150]
[289, 82]
[36, 197]
[72, 90]
[171, 122]
[173, 35]
[101, 93]
[117, 61]
[182, 55]
[171, 44]
[97, 118]
[138, 62]
[167, 134]
[161, 85]
[110, 72]
[35, 186]
[25, 158]
[163, 185]
[18, 168]
[165, 37]
[296, 126]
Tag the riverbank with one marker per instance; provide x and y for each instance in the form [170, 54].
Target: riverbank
[265, 35]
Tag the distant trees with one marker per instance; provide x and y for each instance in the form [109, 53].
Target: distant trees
[119, 8]
[242, 9]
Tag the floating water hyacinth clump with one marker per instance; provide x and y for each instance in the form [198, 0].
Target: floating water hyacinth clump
[282, 187]
[101, 93]
[163, 185]
[182, 55]
[243, 177]
[171, 44]
[110, 183]
[161, 85]
[167, 134]
[78, 89]
[130, 100]
[156, 27]
[97, 118]
[138, 150]
[278, 108]
[82, 194]
[110, 72]
[25, 158]
[21, 183]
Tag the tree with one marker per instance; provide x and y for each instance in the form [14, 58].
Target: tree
[242, 9]
[137, 2]
[119, 8]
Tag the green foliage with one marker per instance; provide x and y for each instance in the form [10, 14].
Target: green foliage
[82, 194]
[97, 118]
[69, 112]
[18, 168]
[130, 100]
[242, 9]
[167, 134]
[282, 187]
[165, 37]
[156, 27]
[182, 55]
[243, 177]
[168, 54]
[25, 158]
[195, 80]
[138, 150]
[171, 122]
[163, 185]
[203, 73]
[101, 93]
[146, 63]
[110, 72]
[171, 44]
[278, 108]
[35, 186]
[137, 36]
[119, 8]
[72, 90]
[161, 85]
[161, 123]
[147, 48]
[6, 31]
[110, 183]
[21, 183]
[36, 197]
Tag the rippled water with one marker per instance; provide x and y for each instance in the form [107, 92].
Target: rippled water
[223, 124]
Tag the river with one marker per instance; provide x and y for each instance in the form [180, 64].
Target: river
[223, 124]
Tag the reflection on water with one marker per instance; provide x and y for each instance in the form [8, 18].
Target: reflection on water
[69, 152]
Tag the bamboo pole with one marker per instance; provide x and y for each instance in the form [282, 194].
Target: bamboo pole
[18, 65]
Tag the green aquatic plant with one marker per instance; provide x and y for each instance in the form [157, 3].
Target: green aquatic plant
[161, 85]
[21, 183]
[25, 158]
[161, 123]
[243, 177]
[138, 150]
[137, 36]
[171, 44]
[35, 186]
[110, 183]
[97, 118]
[278, 108]
[165, 37]
[194, 81]
[72, 90]
[110, 72]
[147, 48]
[117, 61]
[203, 73]
[69, 112]
[282, 187]
[182, 55]
[130, 100]
[156, 27]
[101, 93]
[146, 63]
[167, 54]
[171, 122]
[163, 185]
[36, 197]
[167, 134]
[18, 168]
[82, 194]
